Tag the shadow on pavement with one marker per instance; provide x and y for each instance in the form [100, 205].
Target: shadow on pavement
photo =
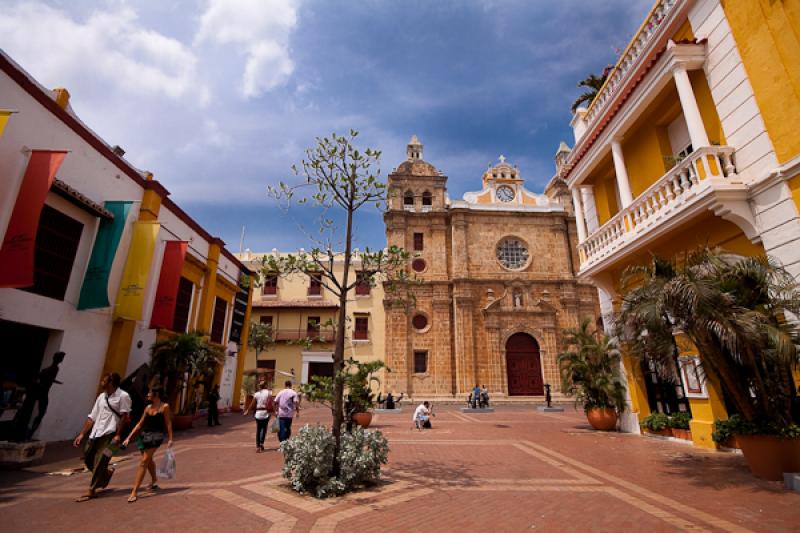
[717, 471]
[452, 474]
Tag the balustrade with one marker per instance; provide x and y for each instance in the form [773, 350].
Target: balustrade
[669, 193]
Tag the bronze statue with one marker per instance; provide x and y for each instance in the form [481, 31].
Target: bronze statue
[38, 392]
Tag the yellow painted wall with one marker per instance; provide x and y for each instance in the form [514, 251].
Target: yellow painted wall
[767, 34]
[794, 185]
[642, 148]
[708, 229]
[684, 32]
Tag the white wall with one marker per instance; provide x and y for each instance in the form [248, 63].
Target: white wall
[82, 335]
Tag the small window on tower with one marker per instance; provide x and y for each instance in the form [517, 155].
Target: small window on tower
[408, 198]
[419, 242]
[427, 198]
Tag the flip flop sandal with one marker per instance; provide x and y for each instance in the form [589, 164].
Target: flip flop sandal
[132, 499]
[153, 487]
[84, 498]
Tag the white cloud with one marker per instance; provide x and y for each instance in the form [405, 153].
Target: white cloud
[109, 47]
[259, 30]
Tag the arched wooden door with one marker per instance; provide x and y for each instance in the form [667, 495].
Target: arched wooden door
[524, 366]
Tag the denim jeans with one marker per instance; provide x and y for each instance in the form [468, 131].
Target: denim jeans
[261, 431]
[284, 428]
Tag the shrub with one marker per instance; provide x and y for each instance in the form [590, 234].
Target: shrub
[736, 425]
[655, 422]
[680, 420]
[308, 460]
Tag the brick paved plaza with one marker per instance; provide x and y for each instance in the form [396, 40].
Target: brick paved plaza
[513, 470]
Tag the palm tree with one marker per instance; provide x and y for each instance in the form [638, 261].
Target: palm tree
[184, 354]
[590, 369]
[594, 84]
[734, 309]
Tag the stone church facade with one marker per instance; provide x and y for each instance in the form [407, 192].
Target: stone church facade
[498, 286]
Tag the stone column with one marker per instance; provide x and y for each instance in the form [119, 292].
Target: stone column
[691, 112]
[622, 174]
[580, 222]
[464, 345]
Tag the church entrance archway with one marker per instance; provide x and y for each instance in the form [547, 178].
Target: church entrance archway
[524, 366]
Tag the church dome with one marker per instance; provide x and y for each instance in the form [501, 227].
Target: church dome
[414, 165]
[417, 167]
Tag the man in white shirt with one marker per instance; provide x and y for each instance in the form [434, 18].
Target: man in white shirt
[422, 414]
[263, 410]
[109, 416]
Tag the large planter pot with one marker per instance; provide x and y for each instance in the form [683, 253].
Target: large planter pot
[362, 419]
[602, 418]
[181, 422]
[684, 434]
[769, 456]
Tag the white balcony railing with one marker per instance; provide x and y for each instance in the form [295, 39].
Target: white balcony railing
[629, 57]
[673, 192]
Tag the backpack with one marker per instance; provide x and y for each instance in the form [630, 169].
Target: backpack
[271, 403]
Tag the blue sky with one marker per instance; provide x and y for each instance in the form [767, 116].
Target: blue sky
[218, 98]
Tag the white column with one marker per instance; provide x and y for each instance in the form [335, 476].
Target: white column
[589, 209]
[580, 222]
[694, 121]
[623, 183]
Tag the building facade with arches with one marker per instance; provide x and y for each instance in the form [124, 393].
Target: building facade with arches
[496, 287]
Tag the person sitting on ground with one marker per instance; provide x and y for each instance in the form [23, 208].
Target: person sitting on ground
[422, 416]
[484, 396]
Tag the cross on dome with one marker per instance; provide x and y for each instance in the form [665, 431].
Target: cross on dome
[502, 158]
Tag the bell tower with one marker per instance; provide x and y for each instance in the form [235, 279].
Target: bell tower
[414, 149]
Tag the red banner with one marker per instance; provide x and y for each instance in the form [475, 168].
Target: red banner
[19, 244]
[167, 292]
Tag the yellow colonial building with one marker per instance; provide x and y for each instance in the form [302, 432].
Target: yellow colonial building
[692, 140]
[298, 307]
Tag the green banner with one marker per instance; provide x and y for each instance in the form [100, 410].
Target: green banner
[94, 292]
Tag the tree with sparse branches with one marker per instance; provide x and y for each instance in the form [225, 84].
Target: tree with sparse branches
[337, 177]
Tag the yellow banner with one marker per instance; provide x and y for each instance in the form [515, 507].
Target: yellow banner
[130, 299]
[4, 116]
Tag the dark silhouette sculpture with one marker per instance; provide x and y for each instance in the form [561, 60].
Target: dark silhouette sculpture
[38, 392]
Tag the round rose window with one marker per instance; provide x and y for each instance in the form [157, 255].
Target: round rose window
[419, 322]
[512, 253]
[418, 265]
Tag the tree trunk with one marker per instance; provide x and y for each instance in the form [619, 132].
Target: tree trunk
[338, 353]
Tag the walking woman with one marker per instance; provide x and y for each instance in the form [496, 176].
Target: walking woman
[156, 422]
[263, 404]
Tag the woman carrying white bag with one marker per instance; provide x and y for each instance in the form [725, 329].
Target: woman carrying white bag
[155, 424]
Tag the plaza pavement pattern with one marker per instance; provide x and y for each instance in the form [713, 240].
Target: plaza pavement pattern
[513, 470]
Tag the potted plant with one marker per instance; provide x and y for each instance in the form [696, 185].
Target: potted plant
[590, 371]
[657, 424]
[724, 433]
[359, 392]
[357, 378]
[182, 361]
[734, 310]
[679, 424]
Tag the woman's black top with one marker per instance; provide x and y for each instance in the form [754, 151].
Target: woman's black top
[154, 423]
